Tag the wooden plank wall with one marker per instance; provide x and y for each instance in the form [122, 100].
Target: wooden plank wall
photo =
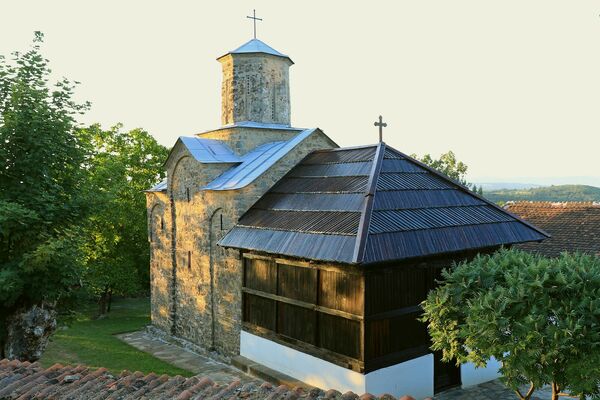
[305, 305]
[363, 319]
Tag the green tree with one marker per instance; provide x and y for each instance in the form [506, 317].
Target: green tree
[120, 166]
[446, 164]
[40, 184]
[538, 316]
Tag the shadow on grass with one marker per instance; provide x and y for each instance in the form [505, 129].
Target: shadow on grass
[92, 342]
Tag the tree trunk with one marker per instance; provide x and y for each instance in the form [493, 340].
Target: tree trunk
[527, 395]
[109, 301]
[555, 391]
[103, 302]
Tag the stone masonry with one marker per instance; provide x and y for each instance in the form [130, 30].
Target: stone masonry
[196, 285]
[255, 88]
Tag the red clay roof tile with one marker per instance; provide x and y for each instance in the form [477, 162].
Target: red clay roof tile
[24, 380]
[574, 226]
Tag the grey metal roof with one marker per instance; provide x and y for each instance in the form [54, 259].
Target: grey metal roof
[159, 187]
[255, 163]
[257, 46]
[372, 204]
[209, 150]
[257, 125]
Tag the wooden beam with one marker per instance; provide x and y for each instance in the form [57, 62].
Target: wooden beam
[303, 304]
[256, 256]
[345, 268]
[365, 218]
[394, 313]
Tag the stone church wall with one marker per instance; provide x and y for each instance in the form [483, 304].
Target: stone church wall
[242, 139]
[190, 306]
[255, 88]
[159, 236]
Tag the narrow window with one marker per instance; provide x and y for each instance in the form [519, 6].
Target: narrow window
[162, 223]
[221, 221]
[189, 260]
[187, 194]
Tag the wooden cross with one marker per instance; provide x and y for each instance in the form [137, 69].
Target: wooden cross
[381, 125]
[255, 19]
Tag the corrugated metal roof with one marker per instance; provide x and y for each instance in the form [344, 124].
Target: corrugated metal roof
[256, 46]
[336, 248]
[209, 150]
[257, 125]
[255, 163]
[372, 204]
[336, 222]
[312, 201]
[159, 187]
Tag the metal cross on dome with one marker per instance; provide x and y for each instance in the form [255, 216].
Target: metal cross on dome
[254, 20]
[381, 125]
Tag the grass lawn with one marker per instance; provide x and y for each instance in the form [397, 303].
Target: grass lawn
[92, 342]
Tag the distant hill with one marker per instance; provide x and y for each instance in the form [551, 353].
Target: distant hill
[548, 193]
[493, 186]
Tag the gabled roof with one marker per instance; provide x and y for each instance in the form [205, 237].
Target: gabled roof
[574, 226]
[257, 46]
[248, 167]
[255, 163]
[372, 204]
[209, 150]
[159, 187]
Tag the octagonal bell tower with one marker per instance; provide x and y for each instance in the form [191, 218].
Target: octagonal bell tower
[255, 85]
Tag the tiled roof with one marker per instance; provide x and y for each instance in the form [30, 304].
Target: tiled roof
[574, 226]
[372, 204]
[24, 380]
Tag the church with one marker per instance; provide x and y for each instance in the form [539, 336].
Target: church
[271, 242]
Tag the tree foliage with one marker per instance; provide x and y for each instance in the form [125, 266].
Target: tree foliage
[40, 182]
[120, 165]
[539, 317]
[447, 164]
[72, 210]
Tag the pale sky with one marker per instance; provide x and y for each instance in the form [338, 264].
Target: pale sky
[511, 86]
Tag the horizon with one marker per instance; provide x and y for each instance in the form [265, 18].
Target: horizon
[523, 182]
[511, 88]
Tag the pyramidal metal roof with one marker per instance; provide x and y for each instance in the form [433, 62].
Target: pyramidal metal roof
[256, 46]
[372, 204]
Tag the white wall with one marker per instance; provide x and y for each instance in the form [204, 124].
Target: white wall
[414, 377]
[302, 366]
[471, 375]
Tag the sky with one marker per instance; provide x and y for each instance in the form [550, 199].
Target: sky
[511, 86]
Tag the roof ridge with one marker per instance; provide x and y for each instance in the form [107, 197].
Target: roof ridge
[467, 190]
[365, 219]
